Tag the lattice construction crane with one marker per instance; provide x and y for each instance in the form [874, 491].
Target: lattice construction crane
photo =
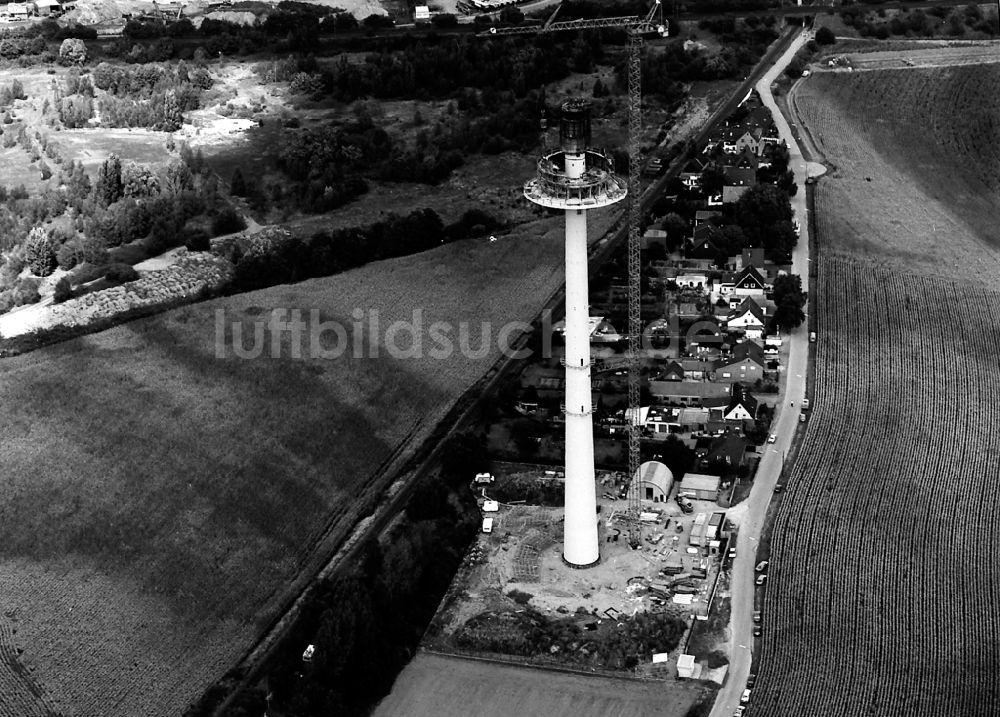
[637, 28]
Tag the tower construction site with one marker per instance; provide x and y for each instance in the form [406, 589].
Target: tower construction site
[577, 557]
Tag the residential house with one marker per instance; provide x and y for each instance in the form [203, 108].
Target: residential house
[688, 393]
[696, 369]
[691, 174]
[47, 7]
[746, 160]
[739, 177]
[691, 281]
[654, 236]
[702, 244]
[673, 372]
[688, 311]
[18, 11]
[726, 453]
[748, 318]
[742, 407]
[702, 216]
[661, 420]
[745, 368]
[751, 256]
[706, 346]
[749, 282]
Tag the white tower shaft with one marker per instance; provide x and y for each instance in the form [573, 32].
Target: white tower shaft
[576, 178]
[580, 541]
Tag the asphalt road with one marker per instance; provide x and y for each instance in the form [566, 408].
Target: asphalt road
[751, 513]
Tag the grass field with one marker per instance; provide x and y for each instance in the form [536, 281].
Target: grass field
[916, 164]
[437, 686]
[875, 603]
[158, 501]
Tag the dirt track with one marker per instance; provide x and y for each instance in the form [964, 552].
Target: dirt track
[969, 54]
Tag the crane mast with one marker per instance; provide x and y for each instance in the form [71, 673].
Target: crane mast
[636, 27]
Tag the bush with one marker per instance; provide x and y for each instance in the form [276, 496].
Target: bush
[445, 19]
[825, 36]
[67, 257]
[63, 290]
[228, 221]
[26, 292]
[197, 240]
[520, 597]
[121, 273]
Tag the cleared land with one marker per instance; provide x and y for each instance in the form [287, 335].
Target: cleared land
[159, 501]
[876, 603]
[437, 686]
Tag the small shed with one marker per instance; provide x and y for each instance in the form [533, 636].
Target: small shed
[47, 7]
[655, 481]
[421, 13]
[687, 667]
[699, 486]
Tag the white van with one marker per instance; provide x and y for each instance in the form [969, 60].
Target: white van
[487, 525]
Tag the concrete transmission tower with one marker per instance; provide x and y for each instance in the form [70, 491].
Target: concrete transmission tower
[576, 179]
[652, 24]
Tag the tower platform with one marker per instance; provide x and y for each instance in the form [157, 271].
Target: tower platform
[596, 187]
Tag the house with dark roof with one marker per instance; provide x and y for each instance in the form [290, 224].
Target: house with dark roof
[702, 216]
[749, 318]
[696, 369]
[673, 372]
[744, 369]
[746, 160]
[742, 406]
[739, 177]
[725, 454]
[750, 256]
[747, 349]
[702, 244]
[689, 393]
[749, 282]
[706, 346]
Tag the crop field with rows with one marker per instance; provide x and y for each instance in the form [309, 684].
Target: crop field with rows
[881, 595]
[160, 501]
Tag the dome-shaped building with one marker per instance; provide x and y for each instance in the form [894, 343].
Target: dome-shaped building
[655, 482]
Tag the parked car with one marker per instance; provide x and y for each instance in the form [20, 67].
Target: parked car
[779, 487]
[746, 696]
[772, 438]
[802, 418]
[684, 504]
[762, 578]
[756, 617]
[757, 630]
[762, 566]
[751, 680]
